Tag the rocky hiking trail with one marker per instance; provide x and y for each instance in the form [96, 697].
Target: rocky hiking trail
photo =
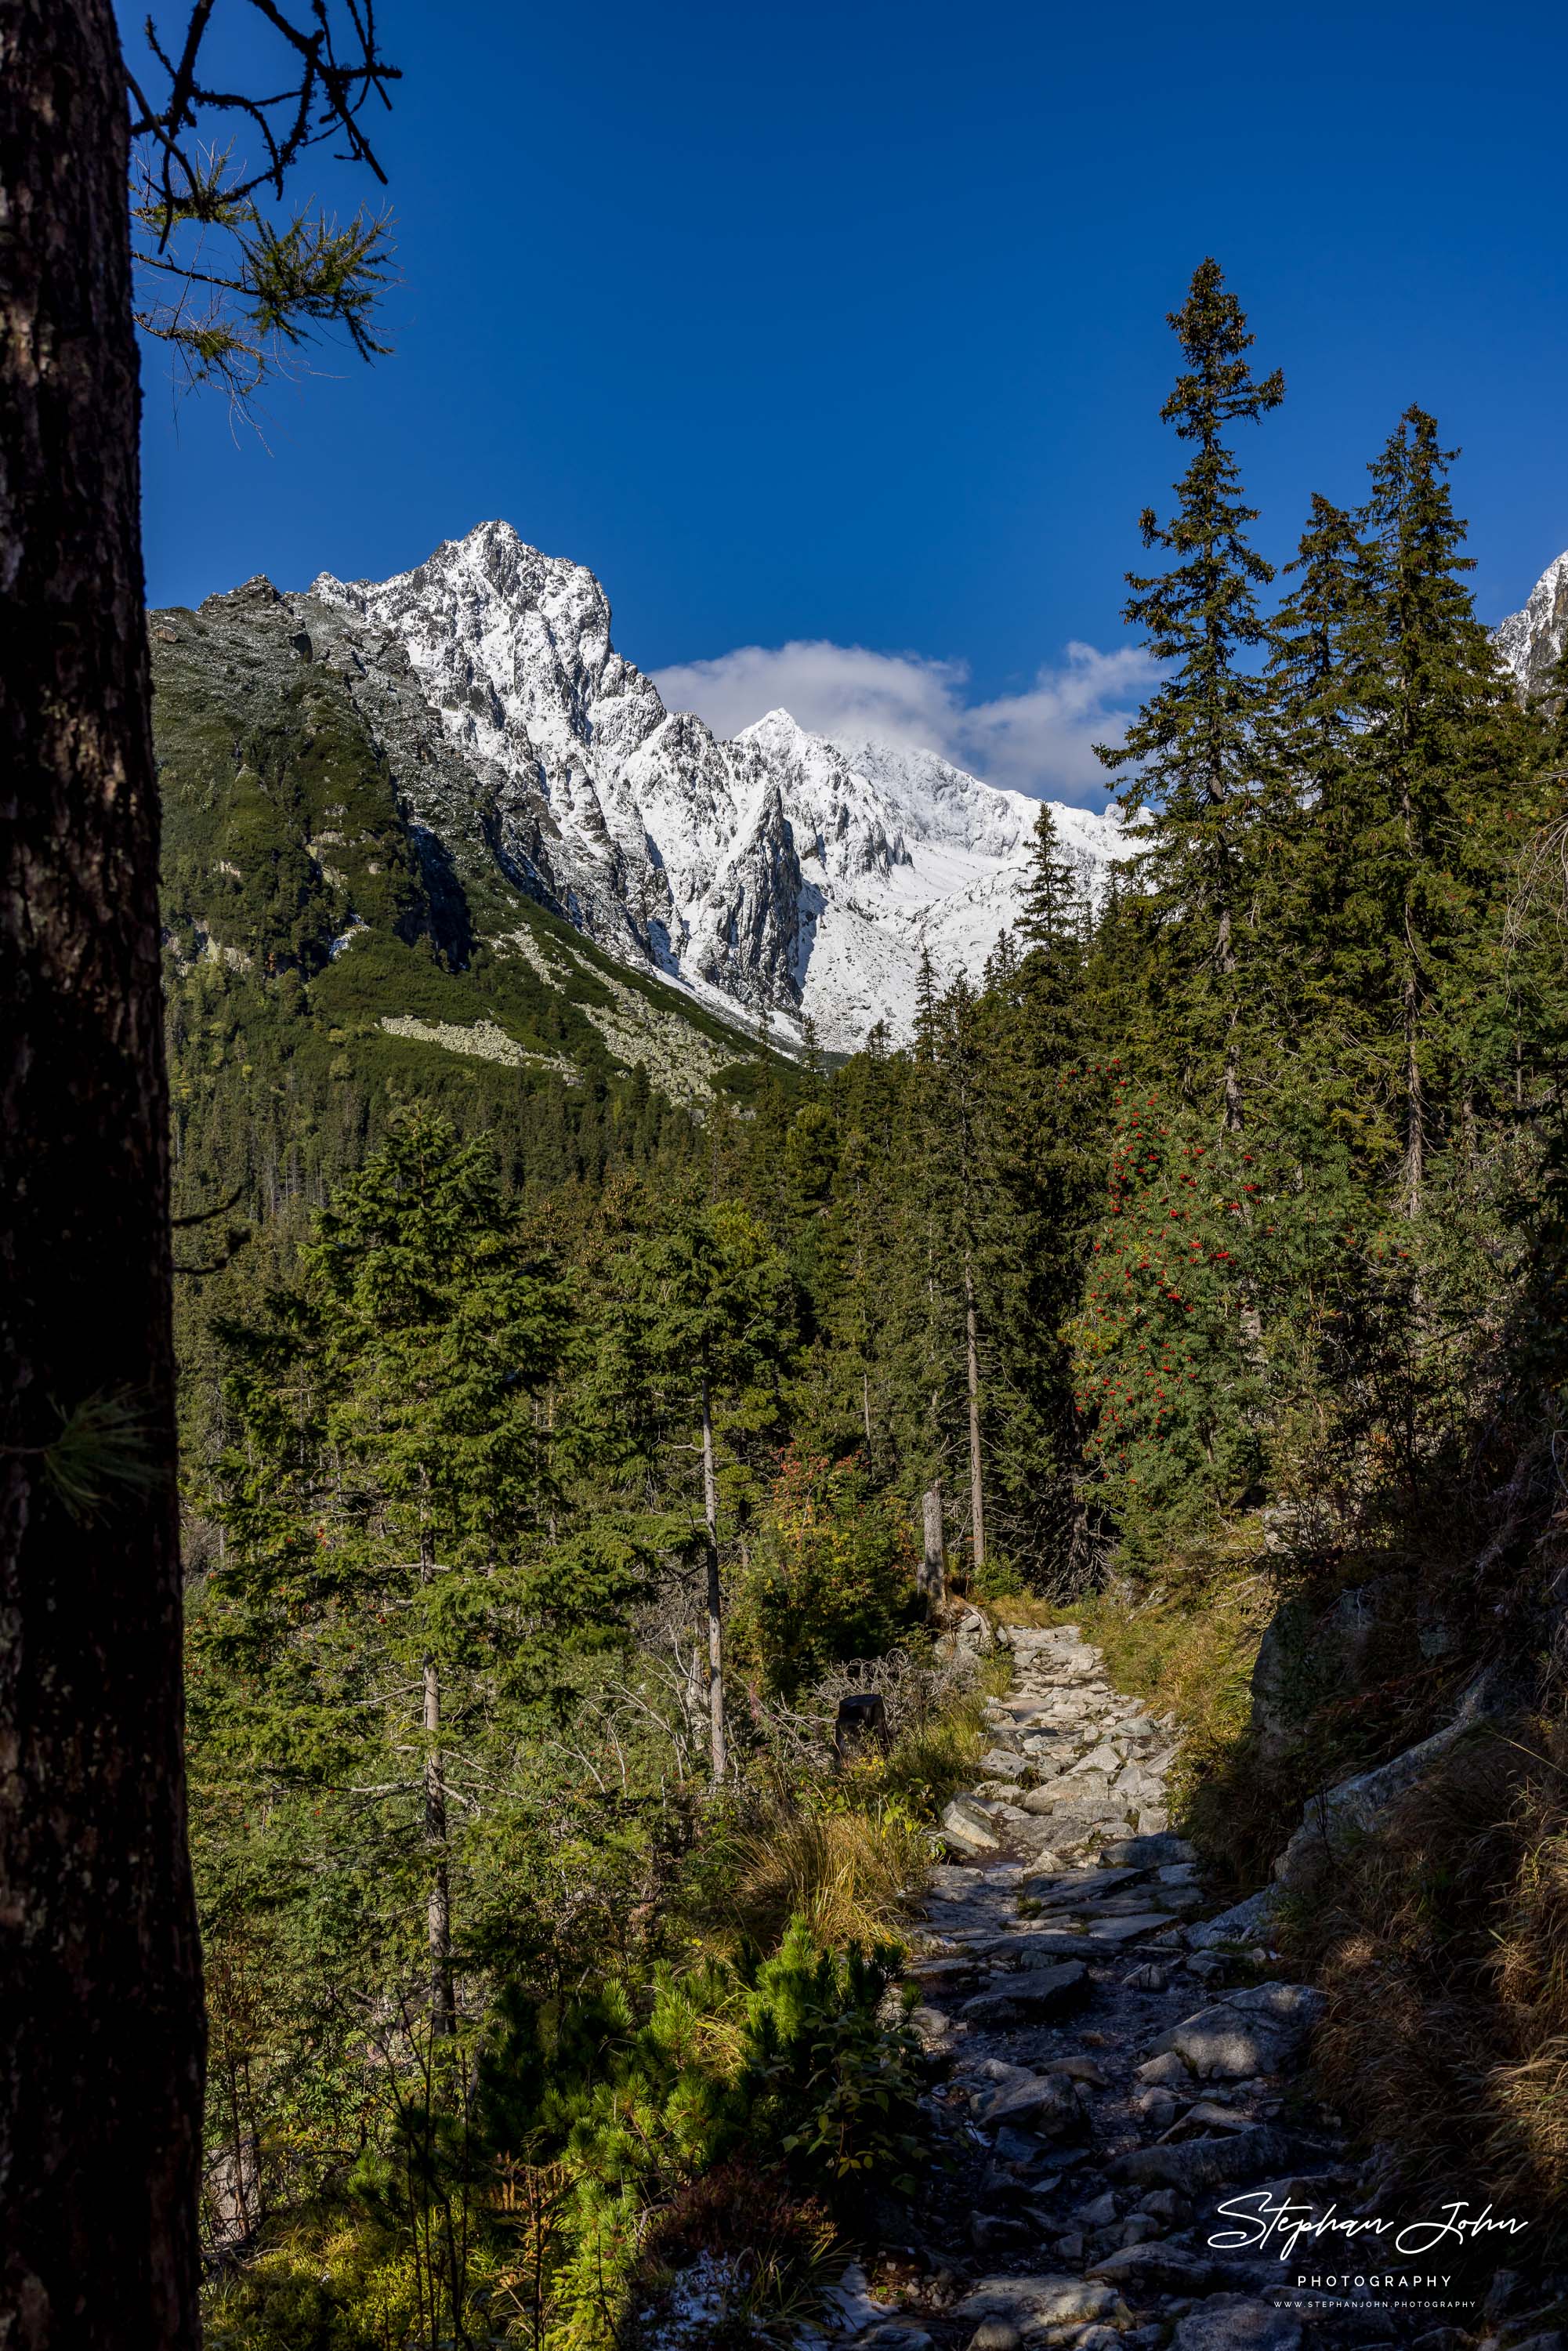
[1112, 2066]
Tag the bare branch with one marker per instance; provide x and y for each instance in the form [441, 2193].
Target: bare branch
[287, 280]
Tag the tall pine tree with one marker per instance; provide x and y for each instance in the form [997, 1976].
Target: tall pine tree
[1192, 752]
[1439, 738]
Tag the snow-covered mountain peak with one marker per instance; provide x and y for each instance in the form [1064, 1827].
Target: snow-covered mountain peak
[511, 643]
[781, 871]
[940, 802]
[1531, 641]
[843, 825]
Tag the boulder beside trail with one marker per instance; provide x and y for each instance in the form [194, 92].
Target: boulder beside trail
[1200, 2163]
[1333, 1818]
[1037, 2301]
[1244, 1922]
[1253, 2031]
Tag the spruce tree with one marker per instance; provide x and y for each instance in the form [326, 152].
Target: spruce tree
[1310, 766]
[386, 1497]
[703, 1325]
[1439, 738]
[1192, 752]
[1052, 920]
[1036, 1123]
[1049, 978]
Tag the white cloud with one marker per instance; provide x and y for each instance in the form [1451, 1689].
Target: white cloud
[838, 690]
[1040, 741]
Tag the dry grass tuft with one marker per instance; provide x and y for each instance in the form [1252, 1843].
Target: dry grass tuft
[850, 1849]
[1443, 1945]
[853, 1878]
[771, 2251]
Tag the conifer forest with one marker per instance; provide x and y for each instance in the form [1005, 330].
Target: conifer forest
[612, 1523]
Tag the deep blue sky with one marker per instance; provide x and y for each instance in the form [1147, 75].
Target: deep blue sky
[845, 321]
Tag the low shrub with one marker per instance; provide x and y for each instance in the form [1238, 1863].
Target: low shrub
[735, 2259]
[831, 1576]
[627, 2100]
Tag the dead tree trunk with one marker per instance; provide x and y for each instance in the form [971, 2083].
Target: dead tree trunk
[719, 1745]
[101, 2011]
[976, 1484]
[438, 1901]
[933, 1577]
[442, 1997]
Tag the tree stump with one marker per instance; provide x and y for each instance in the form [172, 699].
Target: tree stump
[861, 1722]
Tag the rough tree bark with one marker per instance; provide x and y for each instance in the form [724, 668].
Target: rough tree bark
[100, 2014]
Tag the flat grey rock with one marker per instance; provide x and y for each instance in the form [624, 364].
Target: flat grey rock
[1147, 1852]
[1164, 2072]
[1043, 2101]
[1032, 1996]
[1040, 1950]
[1125, 1929]
[1234, 2322]
[1034, 2302]
[1244, 1922]
[1282, 2004]
[967, 1821]
[1067, 1887]
[1203, 2163]
[1153, 2267]
[995, 2334]
[930, 2024]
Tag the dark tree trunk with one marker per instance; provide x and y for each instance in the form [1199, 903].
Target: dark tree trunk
[101, 2018]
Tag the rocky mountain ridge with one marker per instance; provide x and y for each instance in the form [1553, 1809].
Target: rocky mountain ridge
[516, 758]
[777, 874]
[1531, 639]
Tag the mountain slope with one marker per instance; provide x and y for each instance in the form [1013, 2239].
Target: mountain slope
[336, 863]
[778, 872]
